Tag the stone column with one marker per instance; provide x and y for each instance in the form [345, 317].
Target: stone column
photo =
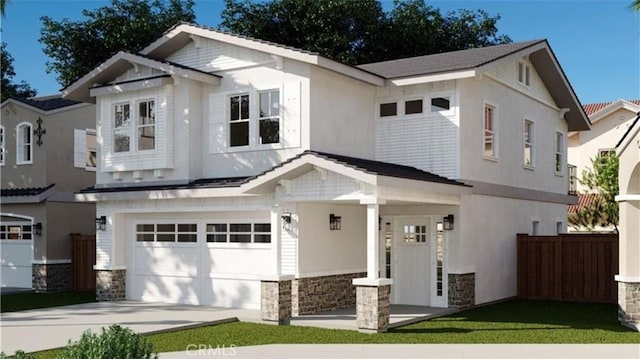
[275, 299]
[51, 277]
[110, 284]
[372, 304]
[629, 304]
[462, 290]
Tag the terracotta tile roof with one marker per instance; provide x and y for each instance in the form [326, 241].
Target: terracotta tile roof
[584, 200]
[32, 191]
[591, 108]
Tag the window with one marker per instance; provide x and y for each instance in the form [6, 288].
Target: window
[24, 147]
[146, 125]
[603, 152]
[15, 231]
[269, 121]
[2, 154]
[559, 152]
[489, 132]
[413, 106]
[168, 233]
[238, 232]
[559, 227]
[439, 104]
[535, 227]
[91, 150]
[524, 73]
[122, 127]
[388, 109]
[528, 143]
[415, 234]
[239, 120]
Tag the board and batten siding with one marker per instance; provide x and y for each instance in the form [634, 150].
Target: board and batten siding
[210, 56]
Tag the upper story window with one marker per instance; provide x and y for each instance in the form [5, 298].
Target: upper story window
[239, 120]
[489, 132]
[440, 104]
[524, 73]
[529, 143]
[85, 149]
[412, 107]
[24, 145]
[144, 137]
[388, 109]
[269, 121]
[606, 152]
[92, 149]
[1, 145]
[559, 152]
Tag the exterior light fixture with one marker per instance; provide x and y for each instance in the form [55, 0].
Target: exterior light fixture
[37, 228]
[286, 220]
[335, 222]
[448, 223]
[101, 223]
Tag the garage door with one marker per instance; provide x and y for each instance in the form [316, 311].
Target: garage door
[203, 262]
[16, 240]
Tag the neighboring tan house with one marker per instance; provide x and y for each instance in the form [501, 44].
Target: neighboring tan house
[47, 152]
[628, 152]
[235, 172]
[610, 120]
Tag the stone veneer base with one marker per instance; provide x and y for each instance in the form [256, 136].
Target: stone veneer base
[51, 277]
[110, 285]
[462, 290]
[629, 305]
[325, 293]
[275, 301]
[372, 308]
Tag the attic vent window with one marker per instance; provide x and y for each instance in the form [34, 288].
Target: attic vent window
[388, 109]
[411, 107]
[524, 73]
[439, 104]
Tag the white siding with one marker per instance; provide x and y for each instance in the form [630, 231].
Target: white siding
[211, 56]
[508, 71]
[79, 148]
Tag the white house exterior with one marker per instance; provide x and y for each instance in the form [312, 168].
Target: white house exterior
[269, 177]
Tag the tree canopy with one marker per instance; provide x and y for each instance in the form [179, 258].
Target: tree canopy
[9, 88]
[76, 47]
[357, 32]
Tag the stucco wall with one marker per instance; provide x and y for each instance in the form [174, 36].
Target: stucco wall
[64, 218]
[629, 228]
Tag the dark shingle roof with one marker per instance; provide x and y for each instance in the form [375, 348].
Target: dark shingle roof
[32, 191]
[446, 61]
[47, 103]
[200, 183]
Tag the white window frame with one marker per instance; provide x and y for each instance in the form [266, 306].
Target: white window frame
[240, 120]
[523, 73]
[91, 133]
[270, 117]
[494, 131]
[3, 153]
[531, 142]
[228, 243]
[559, 152]
[404, 107]
[608, 151]
[20, 144]
[448, 112]
[389, 101]
[176, 232]
[138, 125]
[114, 129]
[132, 130]
[25, 229]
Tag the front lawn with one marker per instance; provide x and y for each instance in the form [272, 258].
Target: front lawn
[31, 300]
[517, 321]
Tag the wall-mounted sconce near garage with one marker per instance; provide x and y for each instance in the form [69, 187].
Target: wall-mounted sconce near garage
[286, 220]
[335, 222]
[37, 228]
[101, 223]
[448, 222]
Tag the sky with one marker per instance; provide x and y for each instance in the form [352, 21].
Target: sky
[597, 42]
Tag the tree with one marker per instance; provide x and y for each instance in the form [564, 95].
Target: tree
[76, 47]
[635, 5]
[357, 32]
[10, 89]
[601, 178]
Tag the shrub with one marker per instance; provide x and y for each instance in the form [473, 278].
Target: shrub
[18, 355]
[114, 342]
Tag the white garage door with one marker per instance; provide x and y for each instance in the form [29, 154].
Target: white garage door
[16, 240]
[215, 263]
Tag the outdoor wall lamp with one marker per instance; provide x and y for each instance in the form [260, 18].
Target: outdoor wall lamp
[101, 223]
[335, 222]
[448, 223]
[286, 220]
[37, 228]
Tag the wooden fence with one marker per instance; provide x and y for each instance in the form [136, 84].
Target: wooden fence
[83, 258]
[571, 267]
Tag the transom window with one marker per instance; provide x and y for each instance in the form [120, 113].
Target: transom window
[172, 233]
[559, 152]
[24, 145]
[2, 146]
[239, 120]
[15, 231]
[239, 233]
[144, 126]
[528, 143]
[415, 234]
[524, 73]
[489, 132]
[269, 121]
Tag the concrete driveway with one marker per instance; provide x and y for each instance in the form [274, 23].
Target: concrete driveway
[41, 329]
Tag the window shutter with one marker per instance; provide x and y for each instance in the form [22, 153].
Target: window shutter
[291, 114]
[79, 148]
[217, 123]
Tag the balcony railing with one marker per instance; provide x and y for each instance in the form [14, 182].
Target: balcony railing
[573, 179]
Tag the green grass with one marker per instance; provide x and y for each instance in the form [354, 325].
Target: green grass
[31, 300]
[517, 321]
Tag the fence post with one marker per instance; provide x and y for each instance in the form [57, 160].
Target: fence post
[521, 257]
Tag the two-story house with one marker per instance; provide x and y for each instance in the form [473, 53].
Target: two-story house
[610, 121]
[235, 172]
[47, 153]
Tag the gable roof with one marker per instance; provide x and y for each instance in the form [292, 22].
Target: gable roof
[121, 62]
[628, 135]
[585, 200]
[591, 108]
[446, 61]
